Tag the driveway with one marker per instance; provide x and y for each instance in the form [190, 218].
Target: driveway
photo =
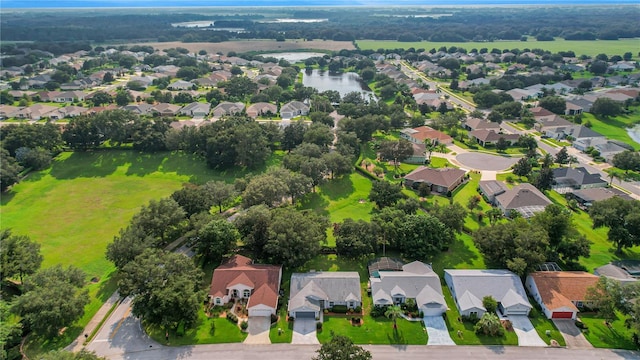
[572, 335]
[437, 331]
[304, 332]
[258, 330]
[527, 334]
[482, 161]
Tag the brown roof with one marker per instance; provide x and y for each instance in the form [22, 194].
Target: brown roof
[264, 279]
[492, 136]
[559, 288]
[540, 111]
[477, 124]
[441, 177]
[423, 133]
[522, 195]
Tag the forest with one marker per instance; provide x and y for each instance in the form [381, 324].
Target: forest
[460, 24]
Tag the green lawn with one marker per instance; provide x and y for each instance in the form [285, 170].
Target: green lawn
[374, 331]
[615, 127]
[207, 331]
[591, 48]
[284, 325]
[542, 324]
[600, 336]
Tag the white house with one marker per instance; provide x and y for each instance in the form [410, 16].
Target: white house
[293, 109]
[313, 292]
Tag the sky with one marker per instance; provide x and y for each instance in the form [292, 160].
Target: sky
[33, 4]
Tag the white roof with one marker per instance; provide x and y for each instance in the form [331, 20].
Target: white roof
[470, 286]
[416, 281]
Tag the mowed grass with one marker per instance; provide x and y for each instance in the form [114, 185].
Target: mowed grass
[615, 127]
[374, 331]
[215, 330]
[599, 335]
[591, 48]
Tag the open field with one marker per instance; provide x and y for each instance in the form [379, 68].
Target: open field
[591, 48]
[242, 46]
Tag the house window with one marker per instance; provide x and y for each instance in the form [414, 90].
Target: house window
[351, 305]
[234, 293]
[579, 304]
[246, 293]
[473, 313]
[398, 300]
[218, 301]
[330, 303]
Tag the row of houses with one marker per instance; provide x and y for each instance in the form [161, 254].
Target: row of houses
[196, 110]
[561, 294]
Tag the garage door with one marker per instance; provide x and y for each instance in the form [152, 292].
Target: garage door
[259, 312]
[305, 315]
[562, 315]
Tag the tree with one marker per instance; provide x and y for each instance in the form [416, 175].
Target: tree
[10, 332]
[627, 160]
[81, 133]
[490, 304]
[123, 98]
[603, 297]
[598, 67]
[253, 226]
[519, 246]
[341, 348]
[356, 238]
[192, 199]
[9, 171]
[384, 193]
[53, 299]
[555, 104]
[337, 164]
[394, 312]
[622, 217]
[220, 193]
[562, 157]
[265, 189]
[160, 219]
[396, 151]
[128, 244]
[19, 255]
[294, 236]
[83, 354]
[490, 325]
[606, 107]
[100, 97]
[293, 135]
[165, 288]
[319, 134]
[543, 179]
[565, 242]
[216, 239]
[315, 169]
[451, 215]
[502, 144]
[522, 167]
[423, 236]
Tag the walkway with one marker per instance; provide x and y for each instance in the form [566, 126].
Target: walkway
[527, 334]
[304, 332]
[572, 335]
[258, 330]
[437, 331]
[78, 343]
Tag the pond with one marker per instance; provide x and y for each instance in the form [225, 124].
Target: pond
[343, 83]
[294, 57]
[634, 133]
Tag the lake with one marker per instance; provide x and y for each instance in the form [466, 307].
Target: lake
[634, 133]
[343, 83]
[294, 57]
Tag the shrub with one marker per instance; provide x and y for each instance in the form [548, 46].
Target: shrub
[339, 309]
[274, 318]
[319, 325]
[244, 325]
[358, 309]
[232, 317]
[378, 311]
[180, 329]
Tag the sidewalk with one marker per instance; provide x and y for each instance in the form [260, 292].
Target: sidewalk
[78, 343]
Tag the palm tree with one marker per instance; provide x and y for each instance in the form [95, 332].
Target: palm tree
[430, 146]
[394, 312]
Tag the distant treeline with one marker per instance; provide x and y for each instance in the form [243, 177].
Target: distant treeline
[460, 24]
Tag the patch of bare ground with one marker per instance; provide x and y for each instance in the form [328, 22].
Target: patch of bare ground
[242, 46]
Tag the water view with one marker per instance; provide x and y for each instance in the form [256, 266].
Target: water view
[344, 83]
[294, 57]
[634, 133]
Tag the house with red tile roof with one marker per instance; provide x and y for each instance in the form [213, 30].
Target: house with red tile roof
[560, 293]
[241, 279]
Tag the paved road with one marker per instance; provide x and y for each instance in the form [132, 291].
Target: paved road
[482, 161]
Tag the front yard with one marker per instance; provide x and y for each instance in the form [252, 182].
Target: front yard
[617, 336]
[214, 330]
[374, 331]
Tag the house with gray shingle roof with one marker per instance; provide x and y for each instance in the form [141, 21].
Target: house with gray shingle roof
[196, 109]
[569, 179]
[523, 198]
[293, 109]
[491, 188]
[468, 287]
[312, 292]
[228, 108]
[416, 281]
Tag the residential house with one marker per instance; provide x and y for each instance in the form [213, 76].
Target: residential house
[523, 94]
[440, 181]
[239, 279]
[181, 85]
[486, 137]
[144, 81]
[581, 136]
[608, 149]
[490, 189]
[560, 293]
[468, 287]
[623, 271]
[48, 96]
[293, 109]
[312, 292]
[196, 109]
[586, 197]
[415, 281]
[425, 97]
[7, 111]
[140, 109]
[422, 134]
[35, 112]
[579, 102]
[67, 112]
[544, 123]
[523, 198]
[569, 179]
[573, 108]
[70, 96]
[228, 108]
[262, 109]
[166, 109]
[480, 124]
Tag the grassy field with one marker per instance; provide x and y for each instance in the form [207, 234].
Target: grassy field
[74, 208]
[615, 127]
[601, 336]
[591, 48]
